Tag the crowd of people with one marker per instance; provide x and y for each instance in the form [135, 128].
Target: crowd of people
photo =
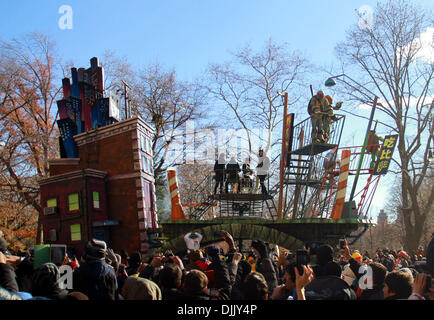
[212, 273]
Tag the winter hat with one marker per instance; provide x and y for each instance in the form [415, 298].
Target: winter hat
[136, 288]
[357, 256]
[95, 250]
[45, 281]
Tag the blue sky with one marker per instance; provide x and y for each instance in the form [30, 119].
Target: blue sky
[188, 35]
[185, 34]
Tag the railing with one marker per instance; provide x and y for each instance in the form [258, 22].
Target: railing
[302, 134]
[248, 201]
[200, 205]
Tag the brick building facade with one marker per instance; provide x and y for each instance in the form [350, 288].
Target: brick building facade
[107, 192]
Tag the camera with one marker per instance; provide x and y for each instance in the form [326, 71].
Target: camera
[301, 258]
[167, 257]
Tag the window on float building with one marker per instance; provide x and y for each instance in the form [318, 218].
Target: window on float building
[73, 202]
[95, 199]
[75, 232]
[52, 203]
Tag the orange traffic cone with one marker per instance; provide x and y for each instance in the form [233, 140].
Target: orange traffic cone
[342, 185]
[177, 210]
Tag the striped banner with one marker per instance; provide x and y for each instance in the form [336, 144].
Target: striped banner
[177, 210]
[342, 185]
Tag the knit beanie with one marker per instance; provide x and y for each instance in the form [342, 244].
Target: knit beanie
[95, 250]
[357, 256]
[136, 288]
[45, 281]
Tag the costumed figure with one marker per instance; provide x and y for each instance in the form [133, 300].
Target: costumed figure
[316, 106]
[232, 169]
[247, 180]
[219, 172]
[327, 117]
[192, 240]
[262, 171]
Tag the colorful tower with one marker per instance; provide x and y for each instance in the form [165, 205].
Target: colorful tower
[103, 185]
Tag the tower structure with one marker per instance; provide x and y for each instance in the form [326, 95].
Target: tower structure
[102, 187]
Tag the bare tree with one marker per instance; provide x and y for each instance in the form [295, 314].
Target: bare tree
[167, 103]
[387, 58]
[251, 84]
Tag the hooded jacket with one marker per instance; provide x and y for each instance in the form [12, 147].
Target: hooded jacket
[96, 279]
[232, 169]
[329, 288]
[45, 282]
[219, 168]
[7, 278]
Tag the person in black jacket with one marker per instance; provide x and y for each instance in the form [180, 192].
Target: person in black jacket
[7, 274]
[95, 278]
[265, 265]
[220, 269]
[329, 285]
[232, 170]
[219, 173]
[46, 283]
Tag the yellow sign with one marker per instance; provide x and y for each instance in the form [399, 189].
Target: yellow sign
[385, 155]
